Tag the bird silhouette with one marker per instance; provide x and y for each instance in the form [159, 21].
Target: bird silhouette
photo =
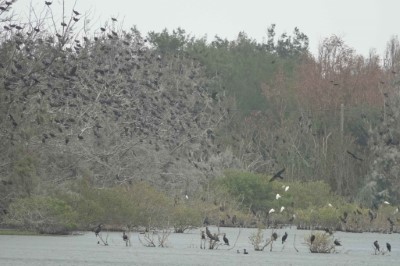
[284, 237]
[226, 240]
[98, 229]
[389, 247]
[376, 245]
[278, 174]
[274, 236]
[245, 251]
[312, 238]
[124, 236]
[337, 242]
[76, 12]
[47, 3]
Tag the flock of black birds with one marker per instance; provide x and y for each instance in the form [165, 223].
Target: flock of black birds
[109, 86]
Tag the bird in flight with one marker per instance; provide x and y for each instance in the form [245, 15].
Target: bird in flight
[354, 156]
[277, 175]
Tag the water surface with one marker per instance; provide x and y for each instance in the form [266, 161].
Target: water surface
[184, 249]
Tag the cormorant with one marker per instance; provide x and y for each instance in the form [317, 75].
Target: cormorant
[245, 251]
[284, 237]
[337, 242]
[278, 174]
[376, 245]
[312, 238]
[275, 236]
[226, 240]
[124, 236]
[98, 229]
[389, 247]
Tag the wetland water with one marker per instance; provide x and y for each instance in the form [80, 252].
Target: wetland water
[184, 249]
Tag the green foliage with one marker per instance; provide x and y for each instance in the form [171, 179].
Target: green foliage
[253, 190]
[42, 214]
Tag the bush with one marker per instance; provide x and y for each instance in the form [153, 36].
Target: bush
[42, 214]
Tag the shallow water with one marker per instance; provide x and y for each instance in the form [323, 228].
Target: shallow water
[184, 249]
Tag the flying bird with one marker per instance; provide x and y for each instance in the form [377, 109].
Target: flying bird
[284, 237]
[278, 174]
[337, 242]
[354, 156]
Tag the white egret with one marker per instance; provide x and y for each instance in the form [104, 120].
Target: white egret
[282, 208]
[286, 188]
[386, 202]
[271, 211]
[278, 196]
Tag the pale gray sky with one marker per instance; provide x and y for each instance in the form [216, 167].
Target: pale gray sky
[363, 24]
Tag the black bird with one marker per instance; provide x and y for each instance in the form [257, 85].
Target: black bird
[284, 237]
[48, 3]
[245, 251]
[337, 242]
[354, 156]
[328, 231]
[98, 229]
[124, 236]
[312, 238]
[113, 19]
[274, 236]
[389, 247]
[278, 174]
[376, 245]
[226, 240]
[76, 12]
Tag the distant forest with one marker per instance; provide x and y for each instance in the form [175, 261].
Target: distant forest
[92, 117]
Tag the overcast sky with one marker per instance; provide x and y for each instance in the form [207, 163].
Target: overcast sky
[363, 24]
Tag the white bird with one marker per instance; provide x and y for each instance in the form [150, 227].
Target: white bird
[396, 211]
[187, 197]
[282, 208]
[286, 188]
[330, 205]
[386, 202]
[271, 211]
[278, 196]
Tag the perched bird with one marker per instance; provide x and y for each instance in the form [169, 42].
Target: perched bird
[47, 3]
[124, 236]
[186, 196]
[284, 237]
[328, 231]
[278, 174]
[245, 251]
[330, 205]
[376, 245]
[389, 247]
[386, 202]
[337, 242]
[274, 236]
[278, 196]
[312, 238]
[98, 229]
[271, 211]
[76, 12]
[282, 208]
[286, 188]
[226, 240]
